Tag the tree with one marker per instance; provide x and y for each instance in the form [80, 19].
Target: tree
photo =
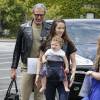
[15, 12]
[11, 15]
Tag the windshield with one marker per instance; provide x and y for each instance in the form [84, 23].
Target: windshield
[84, 32]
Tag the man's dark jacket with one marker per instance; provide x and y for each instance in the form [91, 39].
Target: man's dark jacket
[24, 42]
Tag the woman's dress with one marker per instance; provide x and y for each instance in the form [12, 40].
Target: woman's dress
[94, 93]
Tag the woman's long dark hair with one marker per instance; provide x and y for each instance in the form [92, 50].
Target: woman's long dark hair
[52, 33]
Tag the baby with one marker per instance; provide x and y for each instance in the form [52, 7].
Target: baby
[55, 54]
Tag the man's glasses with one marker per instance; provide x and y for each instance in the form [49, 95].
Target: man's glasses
[37, 15]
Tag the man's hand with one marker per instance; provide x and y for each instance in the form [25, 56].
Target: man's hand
[13, 73]
[38, 81]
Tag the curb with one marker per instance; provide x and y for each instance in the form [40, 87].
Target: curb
[7, 40]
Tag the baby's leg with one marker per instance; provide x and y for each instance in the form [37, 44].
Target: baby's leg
[43, 82]
[65, 82]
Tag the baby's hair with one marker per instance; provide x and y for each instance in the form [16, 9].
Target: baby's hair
[58, 39]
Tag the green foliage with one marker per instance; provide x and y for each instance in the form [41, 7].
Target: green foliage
[53, 12]
[15, 12]
[70, 8]
[11, 15]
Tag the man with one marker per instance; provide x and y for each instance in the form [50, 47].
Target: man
[27, 46]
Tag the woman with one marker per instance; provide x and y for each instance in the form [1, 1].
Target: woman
[59, 28]
[94, 93]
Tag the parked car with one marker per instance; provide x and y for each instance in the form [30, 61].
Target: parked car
[84, 33]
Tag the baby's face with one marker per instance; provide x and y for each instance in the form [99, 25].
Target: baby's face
[55, 45]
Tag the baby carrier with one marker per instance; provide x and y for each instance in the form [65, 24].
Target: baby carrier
[55, 68]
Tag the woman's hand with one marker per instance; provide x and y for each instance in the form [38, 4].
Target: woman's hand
[89, 72]
[71, 80]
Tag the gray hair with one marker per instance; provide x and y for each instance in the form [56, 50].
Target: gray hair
[39, 5]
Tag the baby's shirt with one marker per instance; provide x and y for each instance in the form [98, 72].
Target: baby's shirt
[55, 56]
[57, 53]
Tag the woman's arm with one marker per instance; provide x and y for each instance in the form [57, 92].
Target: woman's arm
[66, 64]
[95, 75]
[73, 67]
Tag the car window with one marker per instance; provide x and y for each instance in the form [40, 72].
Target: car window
[84, 32]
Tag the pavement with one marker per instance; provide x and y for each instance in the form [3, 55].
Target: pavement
[7, 40]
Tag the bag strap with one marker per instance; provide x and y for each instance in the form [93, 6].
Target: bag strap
[16, 86]
[10, 86]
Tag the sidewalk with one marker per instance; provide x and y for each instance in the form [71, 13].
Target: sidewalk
[7, 40]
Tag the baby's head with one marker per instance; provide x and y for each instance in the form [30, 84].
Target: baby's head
[56, 42]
